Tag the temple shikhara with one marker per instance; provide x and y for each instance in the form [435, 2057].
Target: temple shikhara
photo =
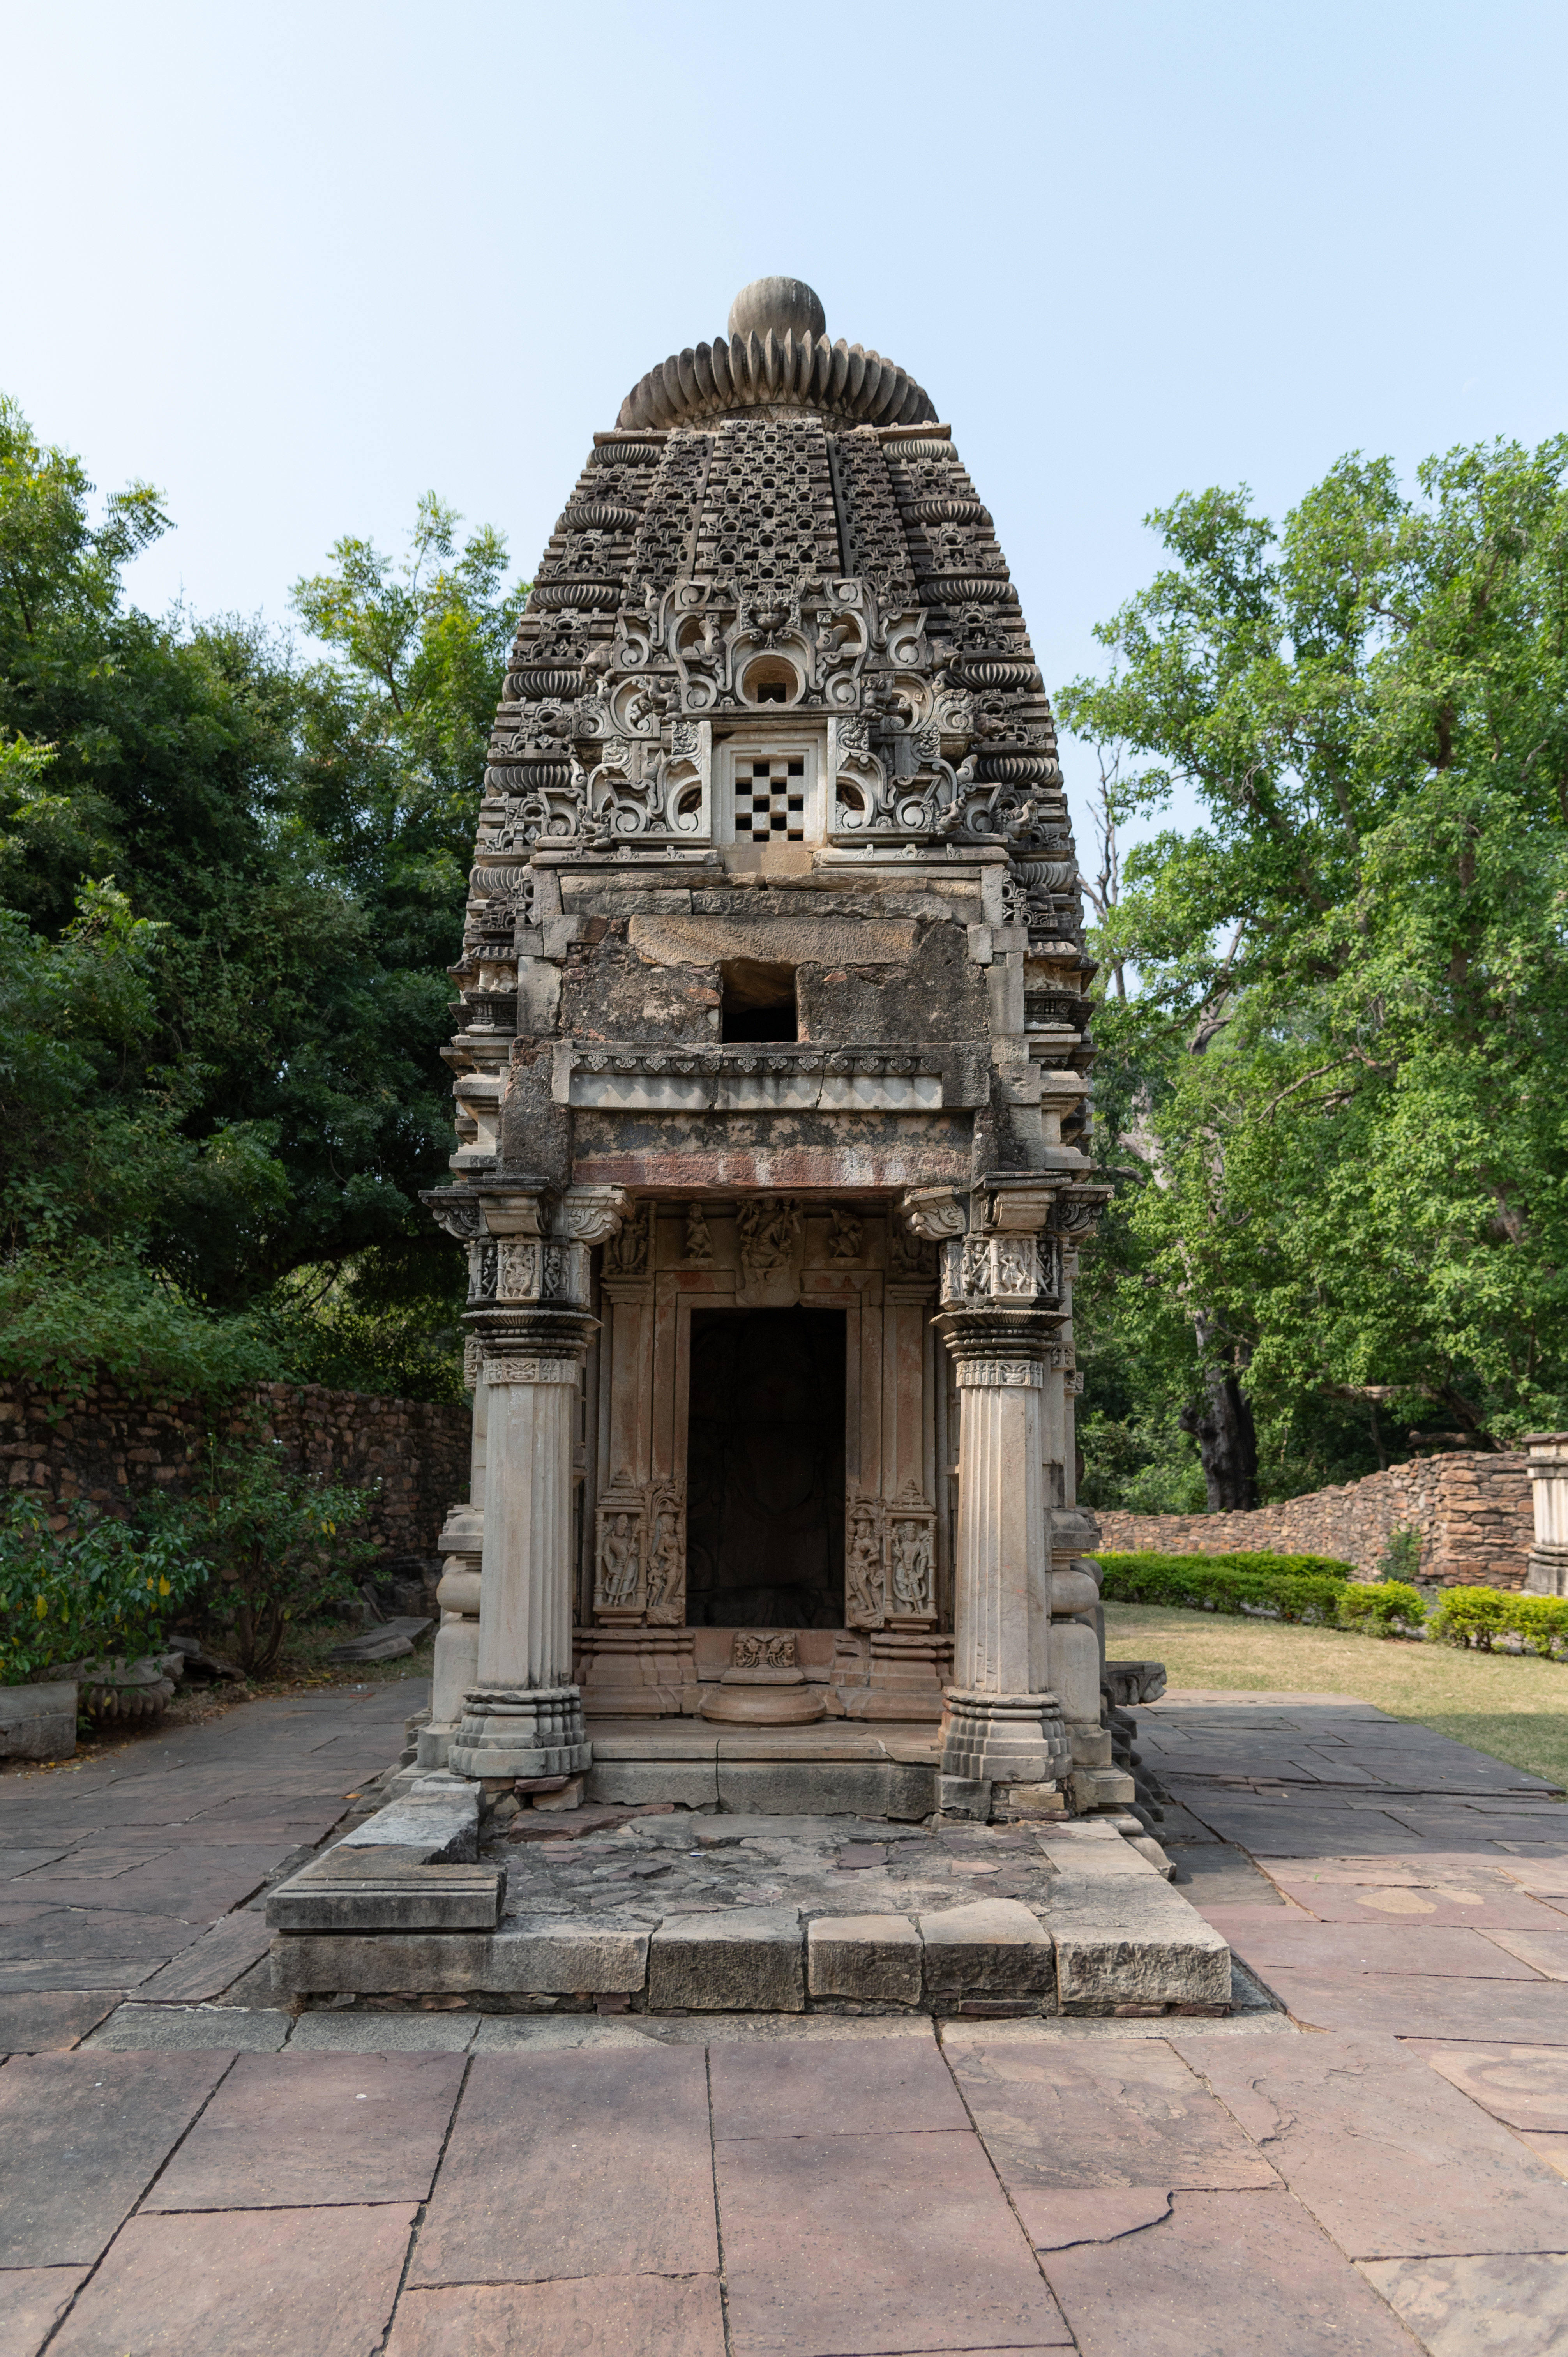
[773, 1165]
[772, 1101]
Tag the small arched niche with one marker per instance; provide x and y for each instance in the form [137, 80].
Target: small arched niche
[771, 679]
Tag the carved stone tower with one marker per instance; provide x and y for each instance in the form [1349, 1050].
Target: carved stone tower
[772, 1100]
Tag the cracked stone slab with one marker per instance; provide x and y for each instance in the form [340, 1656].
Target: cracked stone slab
[1390, 2158]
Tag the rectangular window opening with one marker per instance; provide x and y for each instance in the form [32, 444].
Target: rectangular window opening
[758, 999]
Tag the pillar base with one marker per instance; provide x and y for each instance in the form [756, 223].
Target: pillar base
[511, 1732]
[1003, 1738]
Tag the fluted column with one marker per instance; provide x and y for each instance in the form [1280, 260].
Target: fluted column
[1001, 1313]
[528, 1296]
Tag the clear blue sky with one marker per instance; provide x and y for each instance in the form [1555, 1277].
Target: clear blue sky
[297, 264]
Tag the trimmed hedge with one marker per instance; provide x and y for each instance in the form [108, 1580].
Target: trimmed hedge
[1297, 1586]
[1382, 1607]
[1479, 1616]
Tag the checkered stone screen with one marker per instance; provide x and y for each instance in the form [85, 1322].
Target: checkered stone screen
[770, 805]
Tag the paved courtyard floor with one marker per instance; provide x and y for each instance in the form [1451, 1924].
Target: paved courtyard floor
[1378, 2162]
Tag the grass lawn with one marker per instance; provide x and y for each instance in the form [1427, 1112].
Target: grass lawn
[1514, 1706]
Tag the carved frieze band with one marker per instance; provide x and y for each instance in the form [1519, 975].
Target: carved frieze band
[500, 1369]
[1021, 1374]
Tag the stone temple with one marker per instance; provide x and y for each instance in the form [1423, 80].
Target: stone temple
[772, 1096]
[773, 1165]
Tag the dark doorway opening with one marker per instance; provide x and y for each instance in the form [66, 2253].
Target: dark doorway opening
[765, 1470]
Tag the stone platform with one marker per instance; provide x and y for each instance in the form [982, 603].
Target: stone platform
[674, 1910]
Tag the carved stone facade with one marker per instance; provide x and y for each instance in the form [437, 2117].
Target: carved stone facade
[772, 1089]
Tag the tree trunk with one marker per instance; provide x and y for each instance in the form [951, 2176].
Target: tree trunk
[1227, 1444]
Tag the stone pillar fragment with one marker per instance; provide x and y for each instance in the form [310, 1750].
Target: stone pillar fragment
[1546, 1572]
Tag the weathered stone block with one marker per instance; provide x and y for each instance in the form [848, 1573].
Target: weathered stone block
[387, 1890]
[437, 1818]
[1123, 1935]
[627, 1783]
[992, 1947]
[964, 1796]
[749, 1959]
[380, 1964]
[38, 1722]
[544, 1955]
[1102, 1788]
[874, 1957]
[873, 1788]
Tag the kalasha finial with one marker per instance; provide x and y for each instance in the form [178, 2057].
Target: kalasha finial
[779, 304]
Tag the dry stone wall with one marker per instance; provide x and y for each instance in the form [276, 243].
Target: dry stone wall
[1472, 1508]
[106, 1447]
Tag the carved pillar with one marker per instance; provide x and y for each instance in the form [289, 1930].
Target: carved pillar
[1001, 1313]
[529, 1292]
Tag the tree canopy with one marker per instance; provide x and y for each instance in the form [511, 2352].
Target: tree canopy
[1336, 1011]
[231, 879]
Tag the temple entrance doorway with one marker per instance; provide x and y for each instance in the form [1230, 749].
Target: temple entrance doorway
[765, 1470]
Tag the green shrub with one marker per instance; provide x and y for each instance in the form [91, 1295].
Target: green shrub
[1479, 1616]
[1295, 1586]
[1381, 1607]
[281, 1544]
[97, 1590]
[1401, 1559]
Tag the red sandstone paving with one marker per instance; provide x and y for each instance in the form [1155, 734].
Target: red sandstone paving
[81, 1933]
[1478, 2307]
[1544, 1951]
[1523, 2087]
[605, 2315]
[1545, 1875]
[52, 2019]
[843, 2246]
[1110, 2113]
[1391, 2160]
[81, 2136]
[1266, 1941]
[196, 1882]
[575, 2164]
[1227, 2275]
[285, 2130]
[62, 1973]
[215, 1962]
[32, 2301]
[279, 2283]
[884, 2086]
[1489, 1902]
[1413, 2005]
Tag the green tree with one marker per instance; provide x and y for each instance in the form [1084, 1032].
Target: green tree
[233, 881]
[1336, 1073]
